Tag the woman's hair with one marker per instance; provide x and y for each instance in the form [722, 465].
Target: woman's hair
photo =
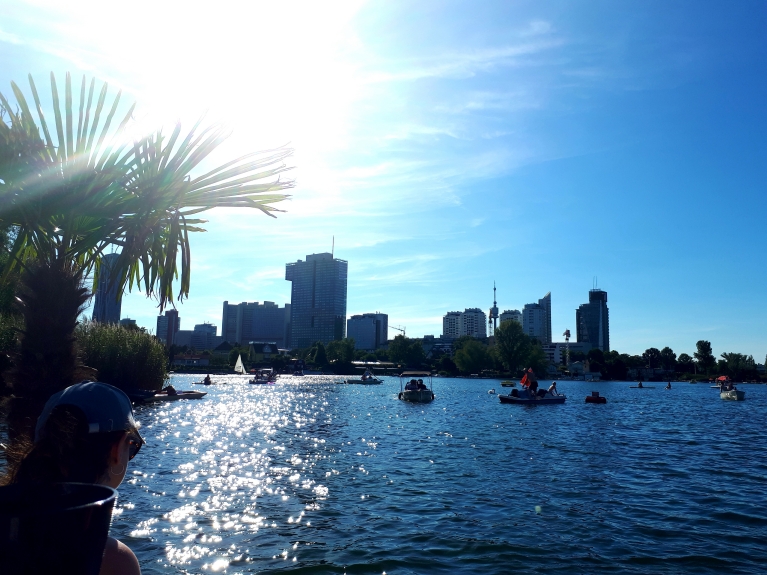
[65, 451]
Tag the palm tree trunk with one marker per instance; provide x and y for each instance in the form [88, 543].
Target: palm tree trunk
[50, 297]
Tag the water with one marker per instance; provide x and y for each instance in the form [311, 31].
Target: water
[310, 477]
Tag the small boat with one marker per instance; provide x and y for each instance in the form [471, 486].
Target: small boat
[733, 394]
[727, 389]
[491, 391]
[239, 367]
[524, 397]
[264, 377]
[165, 396]
[507, 383]
[415, 391]
[595, 398]
[367, 379]
[139, 395]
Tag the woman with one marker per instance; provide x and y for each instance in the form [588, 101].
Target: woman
[86, 433]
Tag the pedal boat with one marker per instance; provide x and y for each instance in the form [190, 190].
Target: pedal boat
[523, 397]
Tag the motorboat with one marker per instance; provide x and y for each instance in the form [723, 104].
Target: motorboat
[367, 378]
[507, 383]
[165, 396]
[264, 377]
[415, 390]
[523, 396]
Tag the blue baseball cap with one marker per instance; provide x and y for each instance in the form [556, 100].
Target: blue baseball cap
[106, 407]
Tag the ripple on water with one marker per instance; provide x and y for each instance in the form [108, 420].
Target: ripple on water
[308, 476]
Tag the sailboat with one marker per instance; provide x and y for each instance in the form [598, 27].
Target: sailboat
[238, 367]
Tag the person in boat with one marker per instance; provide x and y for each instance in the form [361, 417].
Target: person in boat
[640, 383]
[170, 390]
[412, 385]
[668, 386]
[532, 386]
[553, 388]
[206, 381]
[421, 385]
[86, 434]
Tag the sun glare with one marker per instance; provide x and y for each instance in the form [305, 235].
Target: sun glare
[275, 72]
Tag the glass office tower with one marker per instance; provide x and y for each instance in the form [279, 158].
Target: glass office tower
[317, 299]
[106, 305]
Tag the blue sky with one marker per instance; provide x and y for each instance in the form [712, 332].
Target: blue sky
[447, 145]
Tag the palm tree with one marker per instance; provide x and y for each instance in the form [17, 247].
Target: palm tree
[69, 199]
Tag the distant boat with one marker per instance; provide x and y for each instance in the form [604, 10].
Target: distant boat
[165, 396]
[367, 379]
[415, 390]
[238, 367]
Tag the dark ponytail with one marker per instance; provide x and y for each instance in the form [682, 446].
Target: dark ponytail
[65, 451]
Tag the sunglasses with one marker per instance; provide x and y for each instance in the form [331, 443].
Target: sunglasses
[134, 446]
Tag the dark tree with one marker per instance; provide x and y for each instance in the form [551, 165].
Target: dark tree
[705, 355]
[652, 357]
[684, 363]
[512, 346]
[473, 357]
[668, 358]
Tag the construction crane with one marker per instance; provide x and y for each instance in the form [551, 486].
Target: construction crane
[567, 347]
[402, 329]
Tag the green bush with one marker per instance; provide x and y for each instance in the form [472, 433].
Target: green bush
[123, 358]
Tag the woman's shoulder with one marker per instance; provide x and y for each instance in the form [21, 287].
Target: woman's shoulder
[119, 559]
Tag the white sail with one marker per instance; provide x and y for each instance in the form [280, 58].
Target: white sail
[238, 367]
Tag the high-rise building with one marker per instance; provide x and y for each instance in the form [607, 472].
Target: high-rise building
[474, 322]
[128, 322]
[168, 326]
[511, 314]
[451, 325]
[471, 321]
[369, 330]
[592, 321]
[106, 305]
[317, 299]
[252, 321]
[536, 319]
[204, 337]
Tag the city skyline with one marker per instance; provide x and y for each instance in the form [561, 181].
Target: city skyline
[448, 146]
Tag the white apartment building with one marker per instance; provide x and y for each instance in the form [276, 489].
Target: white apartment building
[511, 314]
[451, 325]
[472, 321]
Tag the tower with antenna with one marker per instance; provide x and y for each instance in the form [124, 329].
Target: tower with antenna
[492, 317]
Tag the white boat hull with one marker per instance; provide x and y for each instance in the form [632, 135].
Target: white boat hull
[417, 396]
[733, 395]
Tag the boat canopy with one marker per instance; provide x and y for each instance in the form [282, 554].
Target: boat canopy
[415, 373]
[723, 378]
